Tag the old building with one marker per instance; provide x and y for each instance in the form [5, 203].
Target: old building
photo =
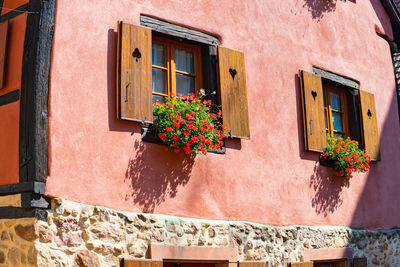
[85, 182]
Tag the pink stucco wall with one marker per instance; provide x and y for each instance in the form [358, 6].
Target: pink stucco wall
[97, 159]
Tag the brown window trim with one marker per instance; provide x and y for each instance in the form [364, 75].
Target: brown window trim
[170, 45]
[179, 31]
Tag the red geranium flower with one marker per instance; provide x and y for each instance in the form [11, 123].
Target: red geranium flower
[193, 129]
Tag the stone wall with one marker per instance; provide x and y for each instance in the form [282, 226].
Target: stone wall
[83, 235]
[17, 242]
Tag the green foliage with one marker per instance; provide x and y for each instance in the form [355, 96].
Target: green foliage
[347, 156]
[186, 123]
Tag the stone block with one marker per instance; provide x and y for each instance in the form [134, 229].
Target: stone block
[27, 232]
[85, 258]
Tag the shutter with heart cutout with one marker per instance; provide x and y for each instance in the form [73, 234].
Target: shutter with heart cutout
[313, 111]
[369, 125]
[233, 92]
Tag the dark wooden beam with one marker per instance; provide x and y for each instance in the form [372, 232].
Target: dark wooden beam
[9, 97]
[336, 78]
[34, 90]
[13, 13]
[28, 187]
[14, 213]
[164, 27]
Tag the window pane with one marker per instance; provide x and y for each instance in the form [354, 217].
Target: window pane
[160, 99]
[326, 120]
[337, 121]
[335, 101]
[184, 84]
[159, 78]
[184, 60]
[158, 55]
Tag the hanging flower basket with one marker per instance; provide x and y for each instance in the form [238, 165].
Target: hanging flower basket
[344, 156]
[186, 123]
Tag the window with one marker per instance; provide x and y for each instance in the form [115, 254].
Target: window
[176, 68]
[325, 263]
[153, 62]
[336, 115]
[335, 105]
[342, 263]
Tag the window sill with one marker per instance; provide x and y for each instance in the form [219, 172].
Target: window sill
[326, 162]
[149, 134]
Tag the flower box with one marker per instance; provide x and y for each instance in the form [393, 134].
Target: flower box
[187, 124]
[330, 163]
[344, 156]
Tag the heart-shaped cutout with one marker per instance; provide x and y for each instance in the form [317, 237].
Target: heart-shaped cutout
[314, 94]
[369, 113]
[232, 72]
[136, 54]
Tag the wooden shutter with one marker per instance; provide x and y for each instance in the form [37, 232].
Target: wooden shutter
[233, 92]
[3, 50]
[302, 264]
[141, 263]
[313, 111]
[134, 98]
[370, 125]
[359, 262]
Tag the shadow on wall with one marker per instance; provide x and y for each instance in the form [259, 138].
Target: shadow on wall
[318, 8]
[380, 196]
[152, 183]
[328, 189]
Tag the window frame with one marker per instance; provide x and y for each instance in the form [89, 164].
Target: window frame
[327, 88]
[170, 45]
